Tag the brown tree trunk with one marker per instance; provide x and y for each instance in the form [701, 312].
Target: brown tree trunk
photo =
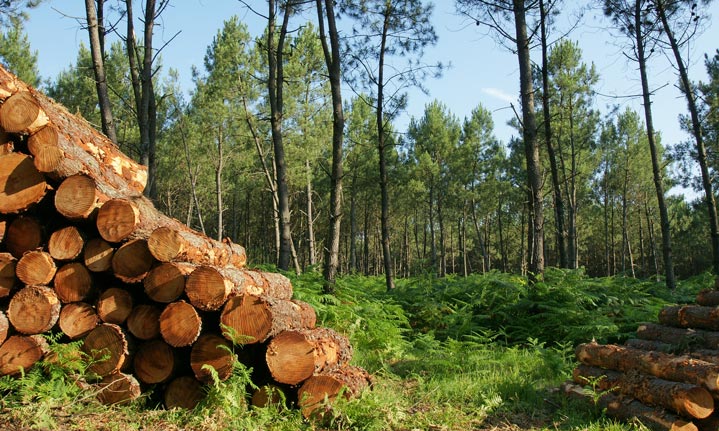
[114, 305]
[176, 242]
[8, 280]
[690, 316]
[118, 388]
[98, 67]
[66, 243]
[166, 282]
[651, 331]
[97, 255]
[132, 261]
[708, 297]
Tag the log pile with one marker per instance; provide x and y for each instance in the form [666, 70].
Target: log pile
[154, 302]
[667, 377]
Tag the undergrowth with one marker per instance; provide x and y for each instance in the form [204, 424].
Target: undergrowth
[485, 352]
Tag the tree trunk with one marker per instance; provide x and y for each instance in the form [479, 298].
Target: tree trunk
[19, 352]
[215, 351]
[98, 66]
[690, 316]
[118, 388]
[219, 166]
[708, 298]
[175, 242]
[678, 336]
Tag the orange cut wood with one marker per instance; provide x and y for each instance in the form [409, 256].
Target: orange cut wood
[117, 219]
[180, 325]
[21, 184]
[132, 261]
[21, 113]
[118, 388]
[23, 234]
[171, 240]
[107, 348]
[114, 305]
[43, 145]
[65, 243]
[4, 327]
[325, 387]
[183, 392]
[144, 322]
[77, 319]
[34, 310]
[35, 267]
[73, 282]
[154, 362]
[20, 352]
[166, 282]
[8, 280]
[213, 351]
[98, 255]
[77, 197]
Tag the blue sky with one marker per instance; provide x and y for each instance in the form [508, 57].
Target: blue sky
[482, 71]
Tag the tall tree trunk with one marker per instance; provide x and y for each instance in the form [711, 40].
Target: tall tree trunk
[529, 133]
[432, 235]
[333, 61]
[366, 237]
[697, 132]
[275, 81]
[573, 249]
[382, 148]
[353, 229]
[652, 240]
[219, 166]
[310, 217]
[656, 170]
[95, 28]
[505, 263]
[442, 245]
[480, 238]
[607, 248]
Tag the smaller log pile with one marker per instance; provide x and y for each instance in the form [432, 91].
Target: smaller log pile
[667, 377]
[154, 302]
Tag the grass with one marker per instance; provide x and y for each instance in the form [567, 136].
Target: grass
[478, 353]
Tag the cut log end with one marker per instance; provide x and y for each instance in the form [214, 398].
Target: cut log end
[73, 282]
[114, 305]
[65, 243]
[35, 268]
[166, 282]
[165, 244]
[180, 325]
[213, 351]
[34, 310]
[20, 352]
[183, 392]
[78, 319]
[21, 113]
[76, 198]
[23, 234]
[132, 261]
[154, 362]
[144, 322]
[117, 219]
[207, 289]
[348, 380]
[107, 348]
[21, 184]
[118, 388]
[98, 255]
[8, 280]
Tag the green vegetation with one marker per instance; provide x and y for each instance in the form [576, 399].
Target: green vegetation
[482, 352]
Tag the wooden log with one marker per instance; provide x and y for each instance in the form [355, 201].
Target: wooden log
[84, 148]
[685, 337]
[166, 282]
[293, 356]
[43, 145]
[132, 261]
[707, 355]
[3, 228]
[118, 388]
[20, 113]
[20, 352]
[690, 316]
[77, 197]
[682, 398]
[209, 287]
[662, 365]
[154, 362]
[250, 319]
[66, 243]
[8, 280]
[627, 409]
[107, 348]
[23, 234]
[114, 305]
[117, 219]
[72, 282]
[21, 184]
[326, 386]
[212, 350]
[180, 325]
[35, 267]
[78, 319]
[98, 255]
[183, 392]
[269, 394]
[708, 298]
[4, 327]
[176, 242]
[34, 310]
[144, 322]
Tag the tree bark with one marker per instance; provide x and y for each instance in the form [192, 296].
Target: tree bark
[690, 316]
[678, 336]
[98, 67]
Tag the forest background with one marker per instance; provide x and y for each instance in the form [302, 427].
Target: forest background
[457, 175]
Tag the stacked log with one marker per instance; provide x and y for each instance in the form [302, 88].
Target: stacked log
[667, 377]
[156, 304]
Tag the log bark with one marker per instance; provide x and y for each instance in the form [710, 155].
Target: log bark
[627, 409]
[8, 280]
[117, 219]
[73, 282]
[85, 149]
[214, 351]
[118, 388]
[4, 327]
[35, 267]
[77, 197]
[107, 347]
[43, 145]
[180, 325]
[183, 392]
[708, 298]
[293, 356]
[144, 322]
[250, 319]
[662, 365]
[154, 362]
[20, 352]
[687, 337]
[166, 282]
[132, 261]
[114, 305]
[21, 113]
[66, 243]
[682, 398]
[328, 385]
[695, 352]
[21, 184]
[98, 255]
[23, 234]
[78, 319]
[34, 310]
[690, 316]
[177, 242]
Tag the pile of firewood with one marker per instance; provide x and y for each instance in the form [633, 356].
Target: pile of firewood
[155, 302]
[667, 377]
